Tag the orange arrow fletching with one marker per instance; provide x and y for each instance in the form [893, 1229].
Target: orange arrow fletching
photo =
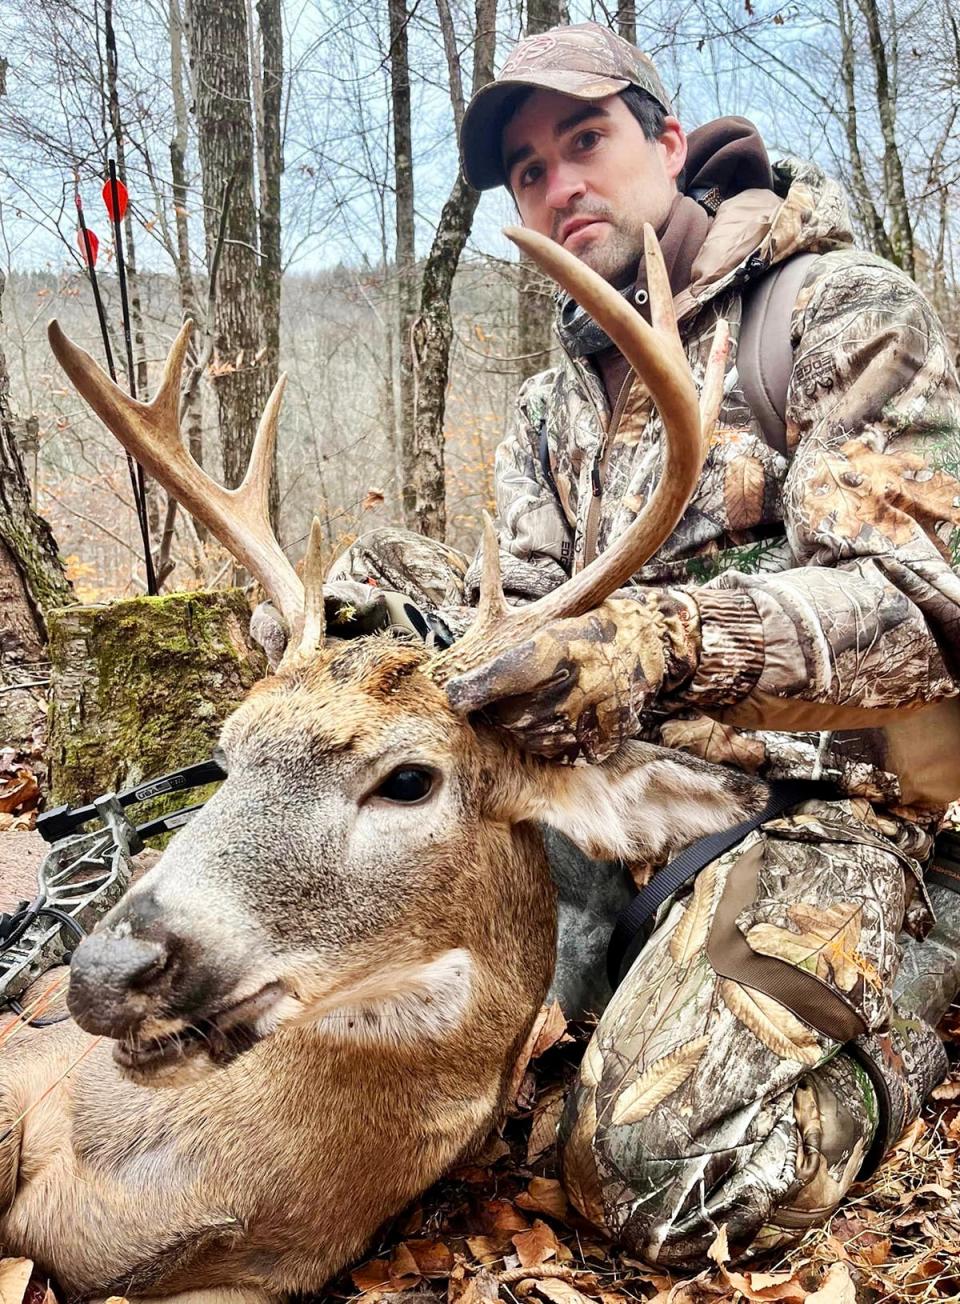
[88, 250]
[121, 205]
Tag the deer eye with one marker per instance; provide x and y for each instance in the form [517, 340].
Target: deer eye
[407, 785]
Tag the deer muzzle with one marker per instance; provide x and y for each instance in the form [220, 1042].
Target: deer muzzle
[162, 1006]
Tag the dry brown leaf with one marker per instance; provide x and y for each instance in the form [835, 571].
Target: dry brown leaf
[719, 1250]
[487, 1249]
[19, 792]
[432, 1258]
[544, 1195]
[543, 1132]
[659, 1081]
[873, 1253]
[552, 1288]
[14, 1279]
[481, 1289]
[536, 1246]
[550, 1028]
[372, 498]
[369, 1276]
[403, 1265]
[501, 1218]
[772, 1023]
[949, 1090]
[760, 1286]
[836, 1288]
[690, 934]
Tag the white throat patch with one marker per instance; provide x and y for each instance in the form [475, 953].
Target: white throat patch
[400, 1006]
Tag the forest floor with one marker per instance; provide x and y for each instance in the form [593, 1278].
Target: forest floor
[501, 1228]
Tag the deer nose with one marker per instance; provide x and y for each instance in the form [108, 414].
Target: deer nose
[114, 981]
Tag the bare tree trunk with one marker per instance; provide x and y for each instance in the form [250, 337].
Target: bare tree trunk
[433, 329]
[32, 582]
[901, 228]
[627, 21]
[534, 291]
[192, 424]
[405, 253]
[218, 44]
[271, 153]
[870, 216]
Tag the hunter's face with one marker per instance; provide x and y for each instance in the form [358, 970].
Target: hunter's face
[584, 174]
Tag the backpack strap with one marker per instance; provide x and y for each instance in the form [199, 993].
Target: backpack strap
[765, 350]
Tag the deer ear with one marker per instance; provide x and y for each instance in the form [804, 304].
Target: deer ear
[640, 803]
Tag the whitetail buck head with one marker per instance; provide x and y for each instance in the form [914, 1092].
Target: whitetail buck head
[372, 855]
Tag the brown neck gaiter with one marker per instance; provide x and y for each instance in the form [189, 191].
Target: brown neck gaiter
[681, 237]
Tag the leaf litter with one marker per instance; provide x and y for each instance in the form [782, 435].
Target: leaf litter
[500, 1227]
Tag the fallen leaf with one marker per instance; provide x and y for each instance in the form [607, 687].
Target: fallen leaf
[14, 1279]
[559, 1292]
[372, 498]
[536, 1246]
[432, 1258]
[486, 1249]
[550, 1028]
[875, 1253]
[544, 1195]
[481, 1289]
[543, 1132]
[368, 1276]
[403, 1265]
[719, 1250]
[836, 1288]
[501, 1218]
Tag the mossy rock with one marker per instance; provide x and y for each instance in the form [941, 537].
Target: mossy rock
[142, 686]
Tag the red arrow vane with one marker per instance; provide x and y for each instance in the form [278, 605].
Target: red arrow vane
[89, 244]
[121, 205]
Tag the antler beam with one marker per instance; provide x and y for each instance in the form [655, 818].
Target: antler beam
[657, 356]
[239, 518]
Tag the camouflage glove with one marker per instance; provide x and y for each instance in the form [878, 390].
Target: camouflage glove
[579, 685]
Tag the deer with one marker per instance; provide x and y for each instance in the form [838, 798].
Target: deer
[312, 1006]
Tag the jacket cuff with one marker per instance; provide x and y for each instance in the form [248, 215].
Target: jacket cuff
[731, 648]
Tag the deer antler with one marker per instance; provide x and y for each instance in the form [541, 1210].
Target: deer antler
[240, 517]
[656, 354]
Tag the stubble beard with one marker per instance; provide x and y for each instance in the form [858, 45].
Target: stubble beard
[615, 256]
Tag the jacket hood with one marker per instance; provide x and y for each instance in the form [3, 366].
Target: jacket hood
[805, 212]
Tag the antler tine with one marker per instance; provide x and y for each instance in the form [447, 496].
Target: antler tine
[492, 605]
[307, 638]
[656, 354]
[256, 482]
[711, 395]
[238, 518]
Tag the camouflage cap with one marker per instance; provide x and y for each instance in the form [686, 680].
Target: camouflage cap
[584, 60]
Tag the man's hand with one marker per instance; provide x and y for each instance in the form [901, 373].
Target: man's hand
[579, 685]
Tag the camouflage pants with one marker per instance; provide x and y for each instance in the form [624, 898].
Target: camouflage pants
[703, 1099]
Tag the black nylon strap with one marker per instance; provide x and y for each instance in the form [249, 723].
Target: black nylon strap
[632, 928]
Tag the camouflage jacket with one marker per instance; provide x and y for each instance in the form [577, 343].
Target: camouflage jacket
[826, 582]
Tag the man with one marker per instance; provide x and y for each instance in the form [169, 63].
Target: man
[806, 599]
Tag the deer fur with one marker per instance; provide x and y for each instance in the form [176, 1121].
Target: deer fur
[405, 951]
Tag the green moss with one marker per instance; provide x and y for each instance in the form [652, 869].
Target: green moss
[141, 687]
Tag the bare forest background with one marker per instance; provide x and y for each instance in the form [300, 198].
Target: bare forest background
[295, 190]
